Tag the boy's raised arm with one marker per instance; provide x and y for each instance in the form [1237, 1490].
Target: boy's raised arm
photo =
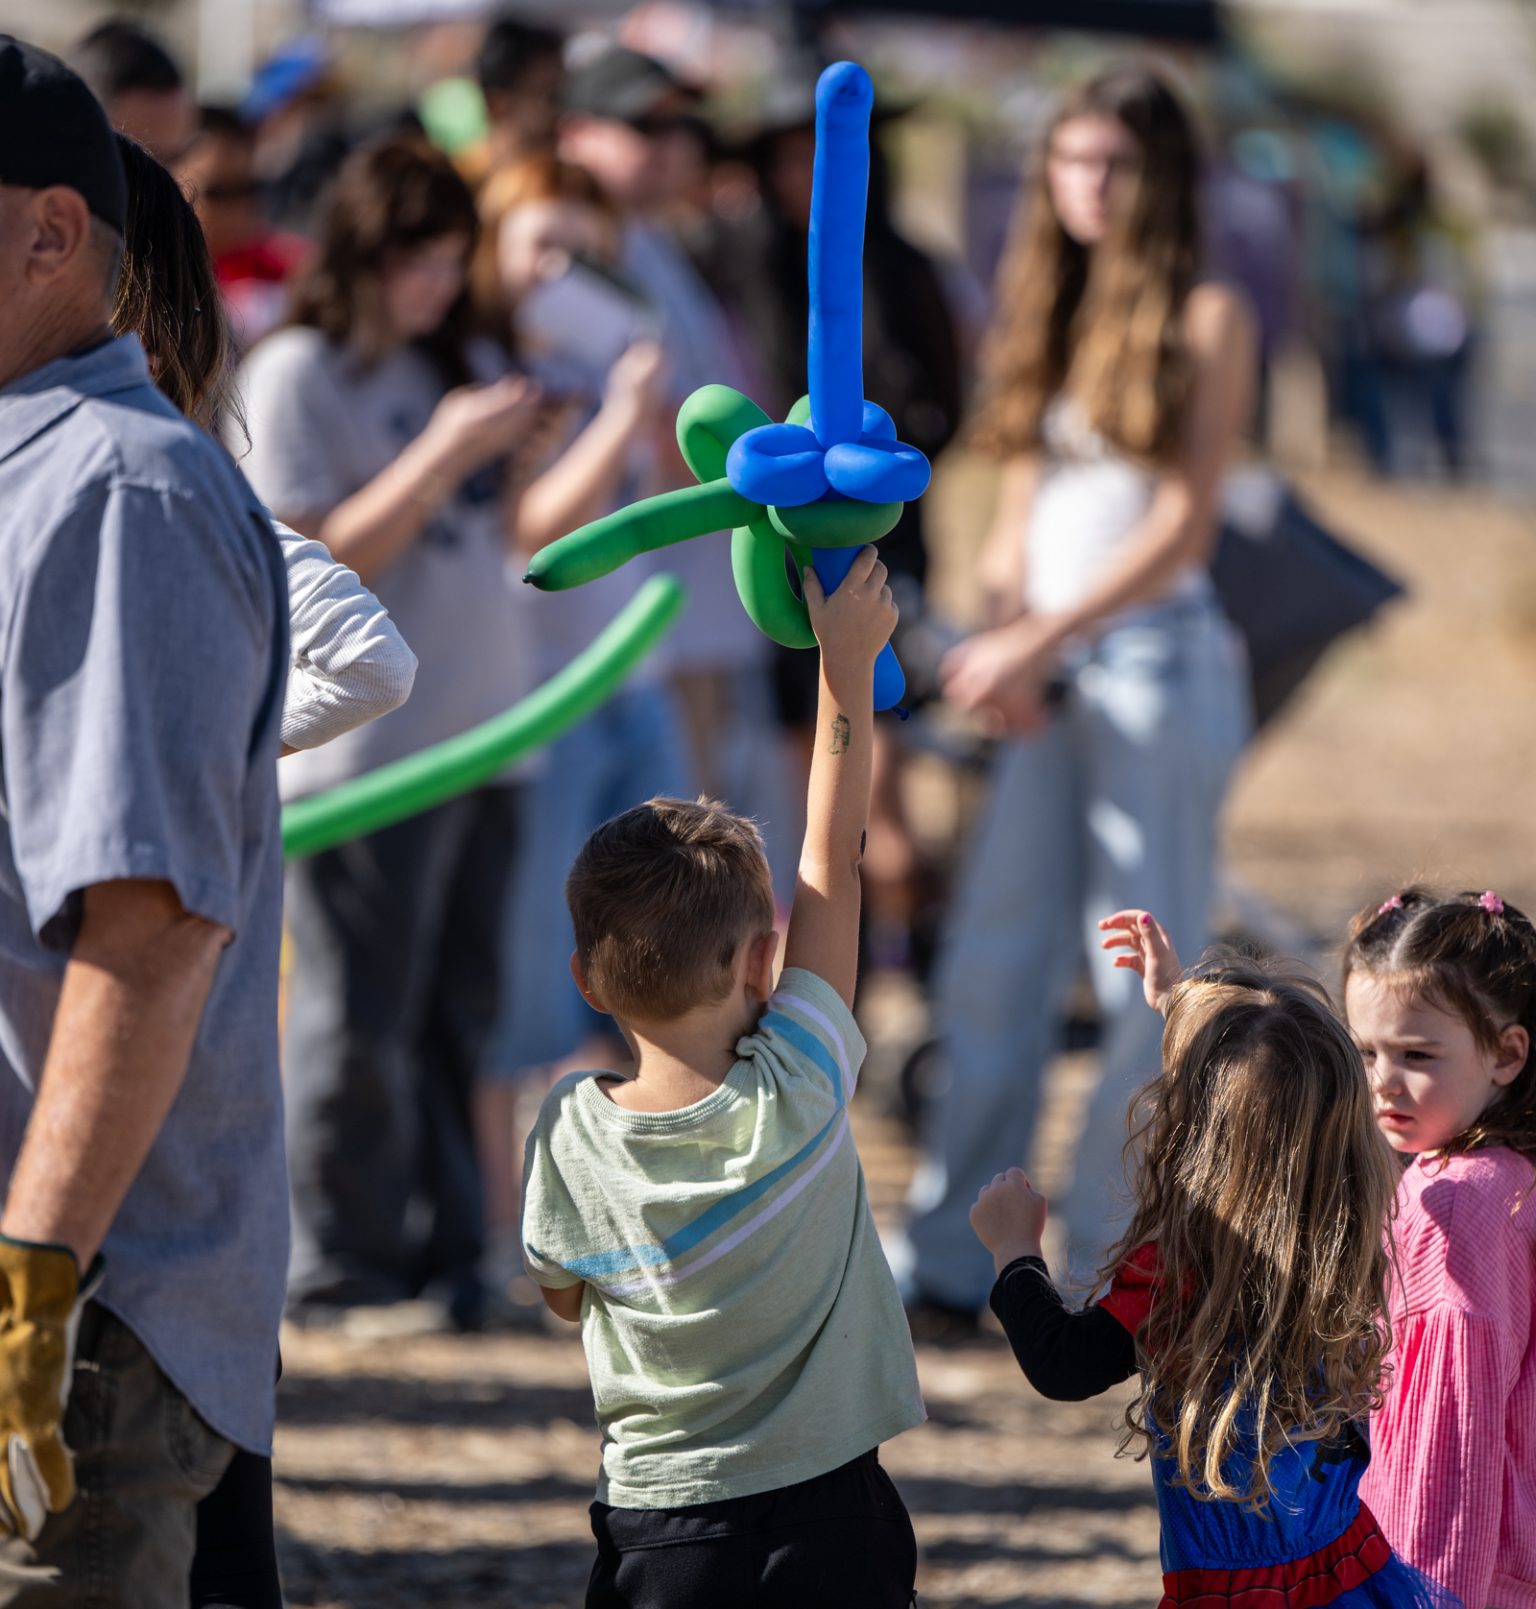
[852, 626]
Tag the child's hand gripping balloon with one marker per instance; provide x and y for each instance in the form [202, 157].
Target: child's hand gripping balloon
[1009, 1217]
[855, 623]
[1149, 951]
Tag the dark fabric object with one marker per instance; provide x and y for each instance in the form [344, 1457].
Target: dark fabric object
[622, 84]
[392, 996]
[1292, 591]
[842, 1539]
[236, 1562]
[291, 198]
[53, 131]
[1066, 1356]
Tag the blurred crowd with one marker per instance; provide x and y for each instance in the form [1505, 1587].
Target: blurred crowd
[479, 314]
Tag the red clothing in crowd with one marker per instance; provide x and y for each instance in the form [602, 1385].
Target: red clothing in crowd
[254, 279]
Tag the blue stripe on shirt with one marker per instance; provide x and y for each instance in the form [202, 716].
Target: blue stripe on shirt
[808, 1045]
[607, 1263]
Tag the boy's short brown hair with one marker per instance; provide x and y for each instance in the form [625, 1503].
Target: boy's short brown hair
[661, 898]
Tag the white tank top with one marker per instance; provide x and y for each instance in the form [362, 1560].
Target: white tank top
[1090, 499]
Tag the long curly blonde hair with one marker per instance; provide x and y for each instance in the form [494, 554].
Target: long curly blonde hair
[1104, 327]
[1266, 1188]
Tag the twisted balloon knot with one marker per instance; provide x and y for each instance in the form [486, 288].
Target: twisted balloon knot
[787, 466]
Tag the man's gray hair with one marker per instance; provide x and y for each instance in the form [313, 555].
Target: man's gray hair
[106, 250]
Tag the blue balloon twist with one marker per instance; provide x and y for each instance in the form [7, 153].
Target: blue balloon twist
[834, 473]
[849, 448]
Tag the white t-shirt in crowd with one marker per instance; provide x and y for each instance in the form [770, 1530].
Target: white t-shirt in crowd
[714, 633]
[322, 424]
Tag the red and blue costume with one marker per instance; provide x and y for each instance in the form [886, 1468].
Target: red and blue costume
[1314, 1545]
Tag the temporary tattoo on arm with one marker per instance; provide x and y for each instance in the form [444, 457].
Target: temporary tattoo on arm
[842, 734]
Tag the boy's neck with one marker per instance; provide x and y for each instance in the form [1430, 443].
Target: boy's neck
[685, 1059]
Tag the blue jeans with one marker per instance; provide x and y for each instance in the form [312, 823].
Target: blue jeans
[629, 751]
[1114, 805]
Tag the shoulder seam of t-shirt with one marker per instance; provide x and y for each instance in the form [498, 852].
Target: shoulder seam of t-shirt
[99, 488]
[1470, 1220]
[116, 469]
[118, 479]
[1433, 1268]
[258, 527]
[813, 1027]
[1481, 1329]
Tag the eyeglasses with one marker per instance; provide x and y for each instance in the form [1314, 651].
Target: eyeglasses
[654, 124]
[1119, 167]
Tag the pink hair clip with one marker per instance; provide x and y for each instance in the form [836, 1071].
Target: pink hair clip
[1491, 903]
[1393, 904]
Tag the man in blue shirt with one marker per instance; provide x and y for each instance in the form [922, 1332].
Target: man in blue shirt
[143, 652]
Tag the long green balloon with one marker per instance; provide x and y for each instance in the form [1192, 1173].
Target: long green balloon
[605, 544]
[437, 774]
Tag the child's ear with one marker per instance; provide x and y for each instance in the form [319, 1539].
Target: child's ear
[1513, 1051]
[579, 973]
[762, 948]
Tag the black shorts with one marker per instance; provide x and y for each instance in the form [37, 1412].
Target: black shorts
[841, 1540]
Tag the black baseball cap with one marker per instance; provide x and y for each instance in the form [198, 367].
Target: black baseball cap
[53, 131]
[626, 86]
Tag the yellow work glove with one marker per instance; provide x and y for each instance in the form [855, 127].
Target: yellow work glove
[40, 1302]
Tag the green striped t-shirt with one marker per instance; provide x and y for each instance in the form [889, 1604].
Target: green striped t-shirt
[741, 1325]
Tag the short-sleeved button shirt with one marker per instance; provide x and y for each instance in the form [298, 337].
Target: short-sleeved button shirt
[143, 657]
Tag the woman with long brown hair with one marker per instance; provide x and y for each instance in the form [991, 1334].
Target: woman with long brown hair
[1119, 383]
[379, 427]
[545, 278]
[349, 663]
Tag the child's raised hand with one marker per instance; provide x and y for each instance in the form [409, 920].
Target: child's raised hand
[1149, 951]
[856, 622]
[1009, 1217]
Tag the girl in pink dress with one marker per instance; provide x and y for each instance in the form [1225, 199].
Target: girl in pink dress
[1441, 997]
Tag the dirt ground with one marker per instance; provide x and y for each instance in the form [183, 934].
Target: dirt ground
[456, 1472]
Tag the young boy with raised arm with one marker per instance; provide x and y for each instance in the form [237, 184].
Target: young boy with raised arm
[705, 1218]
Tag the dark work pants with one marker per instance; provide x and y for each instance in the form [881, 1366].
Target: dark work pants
[235, 1566]
[144, 1460]
[392, 992]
